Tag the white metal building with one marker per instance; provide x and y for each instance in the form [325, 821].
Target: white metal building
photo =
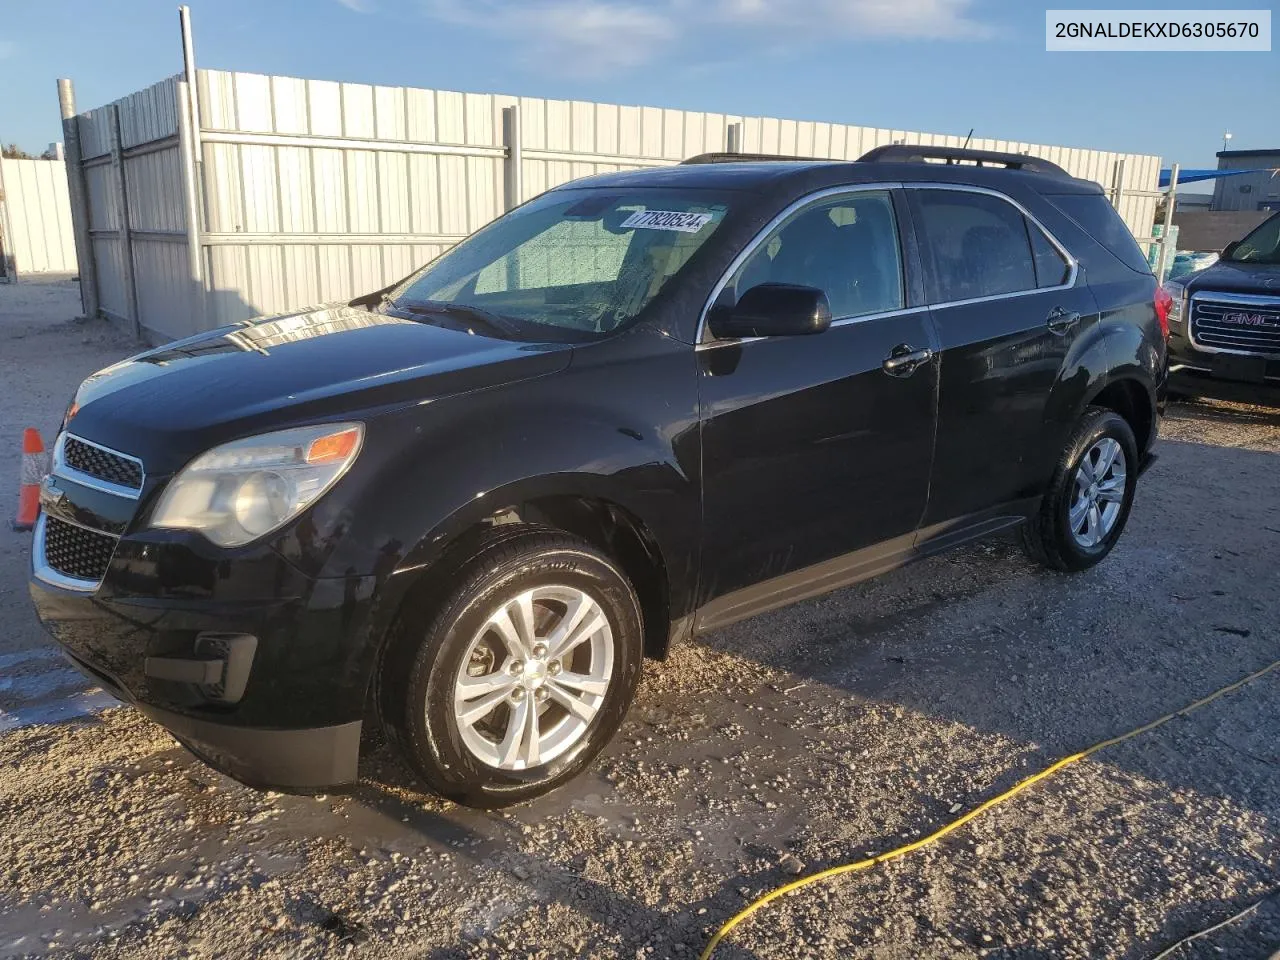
[35, 219]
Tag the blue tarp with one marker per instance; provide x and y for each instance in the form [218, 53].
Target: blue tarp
[1190, 176]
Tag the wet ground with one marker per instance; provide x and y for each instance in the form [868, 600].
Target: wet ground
[801, 739]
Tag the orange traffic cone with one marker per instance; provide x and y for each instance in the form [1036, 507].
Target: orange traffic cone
[34, 466]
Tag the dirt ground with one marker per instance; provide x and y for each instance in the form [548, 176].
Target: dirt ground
[799, 740]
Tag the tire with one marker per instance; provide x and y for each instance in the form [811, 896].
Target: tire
[1050, 538]
[473, 632]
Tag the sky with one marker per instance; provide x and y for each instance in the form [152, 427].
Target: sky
[940, 66]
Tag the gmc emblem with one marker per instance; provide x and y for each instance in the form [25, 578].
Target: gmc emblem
[1248, 319]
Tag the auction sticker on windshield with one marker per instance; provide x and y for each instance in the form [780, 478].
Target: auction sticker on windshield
[667, 220]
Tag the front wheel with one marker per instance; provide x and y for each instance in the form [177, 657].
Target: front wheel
[1085, 509]
[520, 676]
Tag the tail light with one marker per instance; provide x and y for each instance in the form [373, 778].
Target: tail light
[1164, 303]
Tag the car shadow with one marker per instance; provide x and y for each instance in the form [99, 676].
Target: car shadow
[1222, 412]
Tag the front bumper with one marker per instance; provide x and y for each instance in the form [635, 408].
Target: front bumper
[310, 758]
[291, 717]
[298, 759]
[1200, 381]
[1220, 375]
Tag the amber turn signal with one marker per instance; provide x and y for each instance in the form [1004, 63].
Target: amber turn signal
[334, 446]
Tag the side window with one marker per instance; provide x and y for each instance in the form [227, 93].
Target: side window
[978, 244]
[1096, 217]
[1051, 266]
[846, 247]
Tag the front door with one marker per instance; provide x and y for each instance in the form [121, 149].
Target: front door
[1008, 306]
[812, 447]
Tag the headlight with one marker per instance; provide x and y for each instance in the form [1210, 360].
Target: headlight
[1176, 291]
[241, 491]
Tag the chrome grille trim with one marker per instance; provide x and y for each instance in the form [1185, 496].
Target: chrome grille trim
[1208, 333]
[41, 568]
[63, 469]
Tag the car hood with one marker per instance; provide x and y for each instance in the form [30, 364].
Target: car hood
[1257, 278]
[320, 364]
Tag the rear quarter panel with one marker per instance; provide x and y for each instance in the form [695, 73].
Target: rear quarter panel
[1125, 342]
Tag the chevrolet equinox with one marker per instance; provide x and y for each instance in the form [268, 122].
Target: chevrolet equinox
[639, 407]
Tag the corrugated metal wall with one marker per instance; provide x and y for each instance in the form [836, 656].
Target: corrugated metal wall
[35, 219]
[313, 190]
[1248, 191]
[132, 164]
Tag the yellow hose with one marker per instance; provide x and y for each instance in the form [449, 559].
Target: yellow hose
[960, 821]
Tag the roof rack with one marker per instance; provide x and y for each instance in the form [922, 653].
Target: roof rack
[917, 153]
[748, 158]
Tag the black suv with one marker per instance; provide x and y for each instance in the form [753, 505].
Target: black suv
[1225, 322]
[637, 408]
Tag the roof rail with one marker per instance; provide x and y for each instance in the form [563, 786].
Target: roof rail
[748, 158]
[917, 153]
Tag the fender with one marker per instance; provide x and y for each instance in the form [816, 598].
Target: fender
[1112, 350]
[469, 459]
[1122, 349]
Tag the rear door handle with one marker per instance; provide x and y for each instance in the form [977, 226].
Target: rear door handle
[1060, 320]
[903, 360]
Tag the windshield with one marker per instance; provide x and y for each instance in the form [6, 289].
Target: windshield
[1261, 246]
[584, 262]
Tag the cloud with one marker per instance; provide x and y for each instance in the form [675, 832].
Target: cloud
[577, 37]
[359, 6]
[861, 19]
[603, 37]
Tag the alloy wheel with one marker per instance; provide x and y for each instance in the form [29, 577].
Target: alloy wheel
[1099, 492]
[533, 678]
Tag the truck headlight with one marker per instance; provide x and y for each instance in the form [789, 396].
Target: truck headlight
[1177, 293]
[243, 490]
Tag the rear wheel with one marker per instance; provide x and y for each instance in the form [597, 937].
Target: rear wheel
[520, 676]
[1087, 504]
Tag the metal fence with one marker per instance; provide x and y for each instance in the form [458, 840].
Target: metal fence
[126, 173]
[262, 194]
[35, 219]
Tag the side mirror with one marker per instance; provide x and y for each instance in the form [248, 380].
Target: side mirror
[1229, 249]
[772, 310]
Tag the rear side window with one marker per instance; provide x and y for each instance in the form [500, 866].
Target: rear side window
[1051, 266]
[1096, 217]
[978, 244]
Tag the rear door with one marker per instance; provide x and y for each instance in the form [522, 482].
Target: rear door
[1008, 303]
[812, 449]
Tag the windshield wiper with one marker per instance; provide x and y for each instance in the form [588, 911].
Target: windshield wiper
[494, 321]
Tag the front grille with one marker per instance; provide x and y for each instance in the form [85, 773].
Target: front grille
[102, 464]
[76, 552]
[1250, 327]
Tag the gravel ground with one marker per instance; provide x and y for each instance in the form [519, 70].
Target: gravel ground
[799, 740]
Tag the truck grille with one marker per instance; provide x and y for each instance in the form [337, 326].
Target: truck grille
[76, 552]
[1253, 327]
[101, 463]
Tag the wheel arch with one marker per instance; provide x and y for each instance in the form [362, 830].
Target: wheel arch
[1133, 399]
[579, 508]
[620, 534]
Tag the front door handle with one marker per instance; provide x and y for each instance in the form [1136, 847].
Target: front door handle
[1060, 320]
[903, 360]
